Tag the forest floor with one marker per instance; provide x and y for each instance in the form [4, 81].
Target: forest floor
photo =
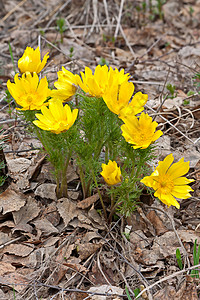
[51, 249]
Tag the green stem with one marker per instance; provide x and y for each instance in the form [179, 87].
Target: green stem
[63, 187]
[141, 162]
[106, 154]
[87, 190]
[113, 211]
[100, 197]
[82, 179]
[112, 198]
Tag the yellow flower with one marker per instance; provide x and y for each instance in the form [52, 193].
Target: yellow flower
[66, 85]
[134, 107]
[96, 84]
[167, 181]
[116, 76]
[28, 91]
[57, 118]
[111, 173]
[31, 62]
[117, 96]
[140, 132]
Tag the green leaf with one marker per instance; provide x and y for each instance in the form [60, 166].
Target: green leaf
[179, 259]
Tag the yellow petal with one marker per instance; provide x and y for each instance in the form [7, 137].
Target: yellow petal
[178, 169]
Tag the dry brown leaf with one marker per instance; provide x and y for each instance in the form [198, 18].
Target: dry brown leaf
[188, 291]
[157, 222]
[31, 260]
[152, 271]
[17, 166]
[67, 210]
[45, 226]
[11, 200]
[189, 236]
[23, 227]
[34, 169]
[51, 214]
[58, 274]
[88, 201]
[5, 268]
[73, 195]
[139, 221]
[27, 213]
[95, 217]
[85, 250]
[167, 293]
[18, 249]
[46, 173]
[52, 240]
[3, 296]
[139, 239]
[18, 281]
[110, 289]
[97, 277]
[90, 236]
[4, 237]
[9, 224]
[46, 190]
[64, 253]
[79, 51]
[74, 263]
[123, 55]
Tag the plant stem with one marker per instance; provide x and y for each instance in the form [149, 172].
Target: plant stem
[100, 197]
[113, 211]
[112, 198]
[63, 187]
[141, 162]
[82, 179]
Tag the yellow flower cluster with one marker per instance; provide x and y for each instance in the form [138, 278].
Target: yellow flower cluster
[114, 88]
[29, 92]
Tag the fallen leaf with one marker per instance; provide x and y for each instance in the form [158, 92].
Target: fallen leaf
[5, 268]
[45, 226]
[64, 253]
[31, 260]
[15, 280]
[23, 227]
[17, 165]
[52, 240]
[157, 222]
[51, 214]
[139, 239]
[18, 249]
[104, 289]
[46, 190]
[27, 213]
[90, 236]
[11, 200]
[74, 263]
[86, 249]
[67, 210]
[4, 238]
[88, 201]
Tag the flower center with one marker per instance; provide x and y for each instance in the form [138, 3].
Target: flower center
[165, 184]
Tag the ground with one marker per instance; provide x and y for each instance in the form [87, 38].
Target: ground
[63, 249]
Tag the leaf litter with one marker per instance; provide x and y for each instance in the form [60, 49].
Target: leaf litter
[55, 248]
